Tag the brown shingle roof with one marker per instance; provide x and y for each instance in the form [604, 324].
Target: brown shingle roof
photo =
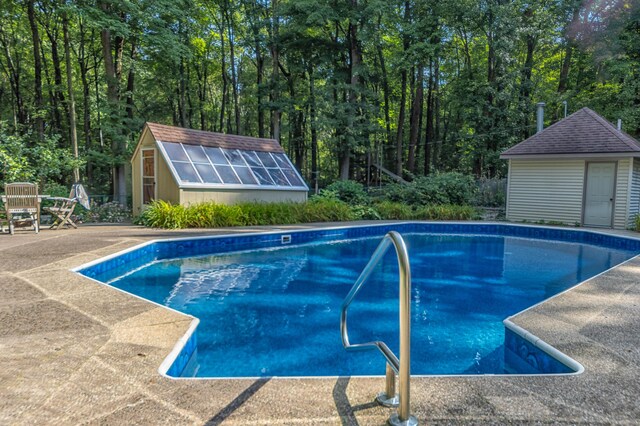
[583, 132]
[165, 133]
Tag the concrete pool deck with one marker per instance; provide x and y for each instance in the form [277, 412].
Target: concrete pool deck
[74, 351]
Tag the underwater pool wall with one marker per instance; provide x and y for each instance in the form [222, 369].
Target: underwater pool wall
[524, 351]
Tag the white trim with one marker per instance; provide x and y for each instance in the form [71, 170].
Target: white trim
[241, 186]
[575, 156]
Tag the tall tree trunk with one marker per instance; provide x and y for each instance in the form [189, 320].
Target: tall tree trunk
[355, 56]
[202, 75]
[568, 50]
[232, 59]
[37, 71]
[223, 71]
[428, 134]
[112, 72]
[58, 98]
[181, 93]
[385, 93]
[275, 58]
[314, 130]
[83, 62]
[72, 102]
[259, 77]
[296, 141]
[14, 72]
[526, 84]
[401, 114]
[403, 96]
[414, 130]
[438, 141]
[131, 79]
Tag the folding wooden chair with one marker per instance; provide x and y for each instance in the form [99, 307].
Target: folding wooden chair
[62, 208]
[22, 205]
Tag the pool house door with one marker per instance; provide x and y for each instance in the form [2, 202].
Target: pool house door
[599, 194]
[148, 176]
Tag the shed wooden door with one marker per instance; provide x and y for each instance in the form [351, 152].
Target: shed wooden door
[599, 194]
[148, 176]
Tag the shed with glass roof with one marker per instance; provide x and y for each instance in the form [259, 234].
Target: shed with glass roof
[185, 166]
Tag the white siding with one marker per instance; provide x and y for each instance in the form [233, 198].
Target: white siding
[620, 215]
[549, 190]
[634, 199]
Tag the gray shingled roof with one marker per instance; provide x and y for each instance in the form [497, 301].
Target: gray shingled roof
[583, 132]
[173, 134]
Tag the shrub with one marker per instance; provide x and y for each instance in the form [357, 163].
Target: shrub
[441, 188]
[23, 158]
[161, 214]
[446, 212]
[320, 210]
[349, 191]
[361, 212]
[394, 211]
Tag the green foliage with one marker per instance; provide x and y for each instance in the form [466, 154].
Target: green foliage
[440, 188]
[446, 212]
[394, 210]
[338, 94]
[325, 211]
[23, 158]
[349, 191]
[362, 212]
[161, 214]
[637, 223]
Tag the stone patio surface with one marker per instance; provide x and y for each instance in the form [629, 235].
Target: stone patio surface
[73, 351]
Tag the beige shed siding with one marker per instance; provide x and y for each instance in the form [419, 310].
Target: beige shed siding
[634, 198]
[549, 190]
[620, 215]
[167, 189]
[193, 196]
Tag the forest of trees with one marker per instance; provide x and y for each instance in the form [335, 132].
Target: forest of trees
[414, 86]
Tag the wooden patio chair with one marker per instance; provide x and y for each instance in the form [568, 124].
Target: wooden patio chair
[22, 204]
[63, 208]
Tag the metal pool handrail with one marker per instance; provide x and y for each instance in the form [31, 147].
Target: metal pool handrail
[399, 366]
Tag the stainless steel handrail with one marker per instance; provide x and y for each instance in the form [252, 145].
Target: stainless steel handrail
[399, 366]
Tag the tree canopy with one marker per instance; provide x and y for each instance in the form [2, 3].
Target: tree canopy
[347, 87]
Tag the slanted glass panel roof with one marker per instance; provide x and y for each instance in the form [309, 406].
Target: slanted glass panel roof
[206, 166]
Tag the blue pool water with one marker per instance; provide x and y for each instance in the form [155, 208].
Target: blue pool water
[275, 311]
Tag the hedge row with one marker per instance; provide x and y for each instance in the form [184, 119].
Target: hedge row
[161, 214]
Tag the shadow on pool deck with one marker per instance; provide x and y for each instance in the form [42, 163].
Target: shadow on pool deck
[75, 351]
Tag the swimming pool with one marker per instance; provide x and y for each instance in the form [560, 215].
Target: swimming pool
[269, 304]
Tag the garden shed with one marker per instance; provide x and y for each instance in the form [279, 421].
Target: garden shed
[185, 166]
[581, 170]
